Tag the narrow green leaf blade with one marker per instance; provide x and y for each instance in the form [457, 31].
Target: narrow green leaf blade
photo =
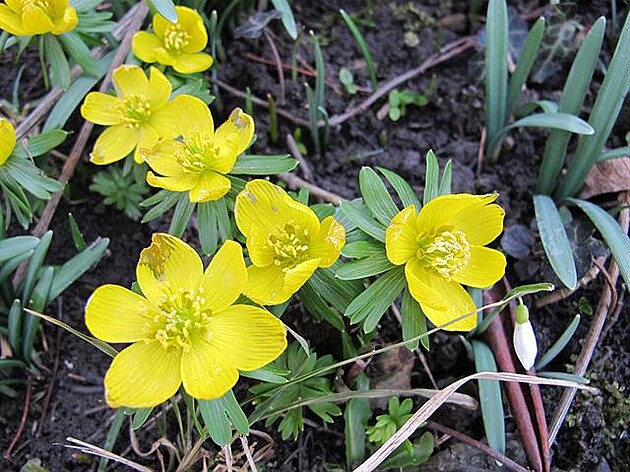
[414, 321]
[358, 214]
[263, 165]
[283, 7]
[405, 192]
[615, 238]
[376, 197]
[496, 52]
[559, 345]
[555, 240]
[365, 267]
[166, 8]
[432, 178]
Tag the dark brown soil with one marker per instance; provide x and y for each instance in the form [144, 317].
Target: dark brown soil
[451, 124]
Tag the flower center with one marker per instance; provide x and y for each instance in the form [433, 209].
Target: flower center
[446, 252]
[135, 110]
[176, 38]
[181, 318]
[198, 152]
[290, 246]
[44, 5]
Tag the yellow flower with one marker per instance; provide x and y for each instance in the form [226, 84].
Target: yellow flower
[175, 44]
[31, 17]
[136, 117]
[7, 140]
[185, 328]
[442, 248]
[285, 239]
[197, 164]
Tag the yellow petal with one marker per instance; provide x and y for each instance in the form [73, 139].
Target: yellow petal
[210, 186]
[130, 80]
[144, 45]
[268, 208]
[485, 267]
[232, 138]
[168, 265]
[191, 63]
[205, 371]
[225, 278]
[193, 24]
[194, 115]
[35, 20]
[143, 375]
[260, 253]
[159, 89]
[148, 137]
[248, 337]
[400, 236]
[113, 144]
[271, 285]
[11, 22]
[164, 57]
[101, 108]
[441, 300]
[7, 140]
[178, 183]
[117, 315]
[161, 157]
[67, 23]
[463, 212]
[167, 120]
[329, 242]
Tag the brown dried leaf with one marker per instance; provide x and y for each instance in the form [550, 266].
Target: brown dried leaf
[609, 176]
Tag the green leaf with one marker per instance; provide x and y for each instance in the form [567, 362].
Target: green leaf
[610, 98]
[112, 436]
[524, 64]
[564, 376]
[59, 67]
[14, 325]
[181, 216]
[490, 397]
[414, 321]
[77, 266]
[41, 144]
[72, 97]
[337, 292]
[166, 8]
[15, 246]
[365, 267]
[164, 200]
[496, 53]
[361, 249]
[575, 89]
[80, 52]
[207, 226]
[235, 413]
[356, 416]
[263, 165]
[615, 238]
[283, 7]
[614, 153]
[77, 236]
[559, 345]
[432, 178]
[358, 214]
[140, 416]
[269, 374]
[555, 240]
[370, 306]
[39, 299]
[317, 306]
[363, 47]
[376, 197]
[216, 421]
[447, 178]
[34, 265]
[405, 192]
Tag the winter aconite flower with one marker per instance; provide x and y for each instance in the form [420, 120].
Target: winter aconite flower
[185, 327]
[7, 140]
[136, 117]
[198, 163]
[31, 17]
[285, 239]
[442, 248]
[175, 44]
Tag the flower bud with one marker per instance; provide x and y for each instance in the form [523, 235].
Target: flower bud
[524, 338]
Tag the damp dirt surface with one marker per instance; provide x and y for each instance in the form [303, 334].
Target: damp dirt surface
[66, 393]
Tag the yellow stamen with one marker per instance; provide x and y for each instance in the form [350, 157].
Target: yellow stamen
[176, 38]
[198, 152]
[135, 110]
[290, 245]
[447, 252]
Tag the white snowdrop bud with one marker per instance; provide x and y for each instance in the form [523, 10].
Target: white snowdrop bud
[524, 338]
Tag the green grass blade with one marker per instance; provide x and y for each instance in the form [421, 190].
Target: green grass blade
[525, 62]
[263, 165]
[431, 179]
[559, 345]
[414, 321]
[608, 103]
[614, 153]
[555, 240]
[362, 268]
[356, 416]
[362, 218]
[112, 436]
[575, 88]
[363, 47]
[405, 192]
[15, 246]
[287, 18]
[617, 241]
[496, 52]
[490, 397]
